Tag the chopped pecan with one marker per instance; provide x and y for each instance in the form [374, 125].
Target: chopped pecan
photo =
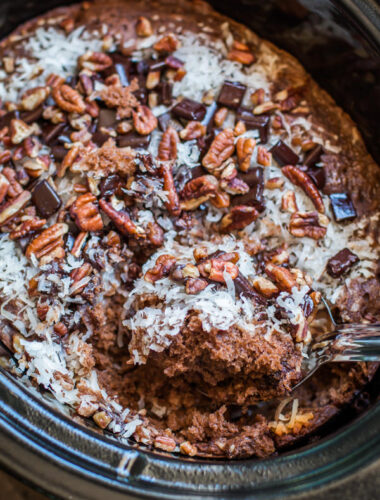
[220, 116]
[4, 186]
[257, 97]
[221, 149]
[230, 183]
[265, 107]
[15, 187]
[190, 271]
[265, 287]
[79, 243]
[60, 329]
[304, 181]
[205, 185]
[77, 275]
[172, 204]
[121, 220]
[68, 99]
[195, 285]
[244, 151]
[167, 149]
[168, 43]
[34, 167]
[49, 244]
[281, 276]
[155, 234]
[13, 206]
[238, 218]
[27, 227]
[144, 120]
[143, 27]
[102, 419]
[5, 156]
[193, 203]
[240, 53]
[68, 160]
[193, 130]
[289, 202]
[67, 24]
[33, 98]
[264, 157]
[152, 79]
[162, 267]
[86, 213]
[19, 130]
[240, 128]
[311, 224]
[275, 183]
[214, 269]
[94, 61]
[221, 199]
[165, 443]
[32, 147]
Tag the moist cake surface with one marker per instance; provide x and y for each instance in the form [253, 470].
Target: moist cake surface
[176, 196]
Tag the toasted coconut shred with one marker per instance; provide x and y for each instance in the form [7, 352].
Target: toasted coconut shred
[161, 271]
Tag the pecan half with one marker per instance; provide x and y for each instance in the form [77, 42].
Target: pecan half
[33, 98]
[121, 220]
[94, 61]
[79, 243]
[86, 213]
[167, 149]
[304, 181]
[244, 151]
[205, 185]
[220, 116]
[155, 234]
[264, 157]
[143, 27]
[78, 275]
[49, 244]
[240, 53]
[281, 276]
[193, 130]
[311, 224]
[36, 166]
[144, 120]
[27, 227]
[68, 99]
[15, 187]
[195, 285]
[214, 269]
[168, 43]
[221, 149]
[265, 287]
[162, 267]
[12, 207]
[172, 204]
[234, 186]
[238, 218]
[4, 186]
[289, 202]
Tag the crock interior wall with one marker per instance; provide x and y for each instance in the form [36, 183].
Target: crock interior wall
[343, 62]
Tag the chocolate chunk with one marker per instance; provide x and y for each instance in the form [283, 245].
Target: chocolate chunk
[142, 67]
[165, 90]
[109, 185]
[99, 138]
[50, 132]
[59, 152]
[185, 174]
[254, 122]
[157, 65]
[190, 110]
[307, 305]
[106, 118]
[244, 288]
[122, 67]
[32, 116]
[45, 199]
[341, 262]
[342, 207]
[133, 140]
[231, 94]
[313, 156]
[283, 154]
[318, 176]
[141, 95]
[173, 62]
[208, 119]
[255, 196]
[165, 120]
[5, 120]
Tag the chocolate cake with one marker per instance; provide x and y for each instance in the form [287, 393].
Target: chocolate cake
[177, 196]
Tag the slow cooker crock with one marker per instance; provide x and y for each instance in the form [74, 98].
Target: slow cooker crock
[339, 43]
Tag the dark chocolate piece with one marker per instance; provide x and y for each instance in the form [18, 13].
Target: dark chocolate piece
[141, 94]
[45, 199]
[342, 207]
[255, 196]
[313, 156]
[185, 174]
[166, 119]
[157, 64]
[122, 67]
[173, 62]
[208, 119]
[283, 154]
[254, 122]
[244, 288]
[133, 140]
[142, 67]
[231, 94]
[109, 185]
[32, 116]
[165, 90]
[190, 110]
[318, 176]
[341, 262]
[99, 138]
[59, 152]
[307, 305]
[106, 118]
[50, 132]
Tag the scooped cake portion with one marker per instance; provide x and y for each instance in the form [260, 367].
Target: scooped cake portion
[177, 196]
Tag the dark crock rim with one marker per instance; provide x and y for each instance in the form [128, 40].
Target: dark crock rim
[62, 457]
